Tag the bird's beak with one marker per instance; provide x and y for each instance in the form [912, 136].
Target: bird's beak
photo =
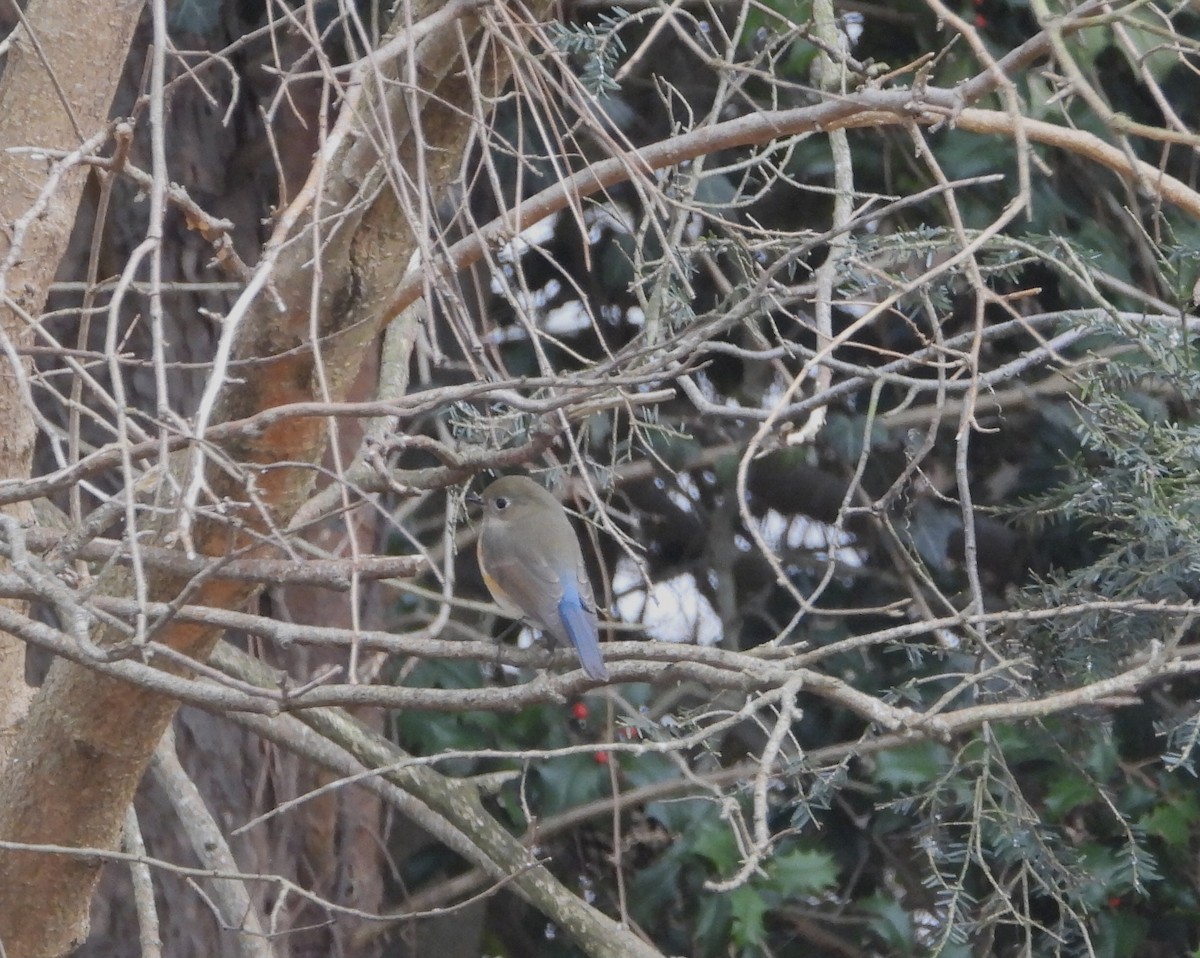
[474, 499]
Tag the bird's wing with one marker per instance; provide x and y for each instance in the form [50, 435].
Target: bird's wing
[557, 601]
[526, 580]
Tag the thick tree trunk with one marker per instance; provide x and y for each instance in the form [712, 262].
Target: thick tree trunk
[55, 93]
[75, 766]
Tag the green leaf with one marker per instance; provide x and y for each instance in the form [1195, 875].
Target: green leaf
[654, 889]
[1068, 792]
[570, 781]
[1174, 821]
[848, 435]
[1151, 52]
[1119, 934]
[715, 192]
[891, 924]
[712, 924]
[688, 816]
[444, 674]
[911, 766]
[716, 845]
[748, 909]
[801, 872]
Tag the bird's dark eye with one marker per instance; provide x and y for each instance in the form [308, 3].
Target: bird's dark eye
[501, 503]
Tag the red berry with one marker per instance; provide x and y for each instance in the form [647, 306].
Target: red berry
[579, 711]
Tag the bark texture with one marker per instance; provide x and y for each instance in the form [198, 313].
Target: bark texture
[55, 93]
[79, 758]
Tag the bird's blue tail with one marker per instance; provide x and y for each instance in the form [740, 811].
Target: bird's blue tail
[581, 630]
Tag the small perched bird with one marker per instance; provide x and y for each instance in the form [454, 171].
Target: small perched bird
[533, 566]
